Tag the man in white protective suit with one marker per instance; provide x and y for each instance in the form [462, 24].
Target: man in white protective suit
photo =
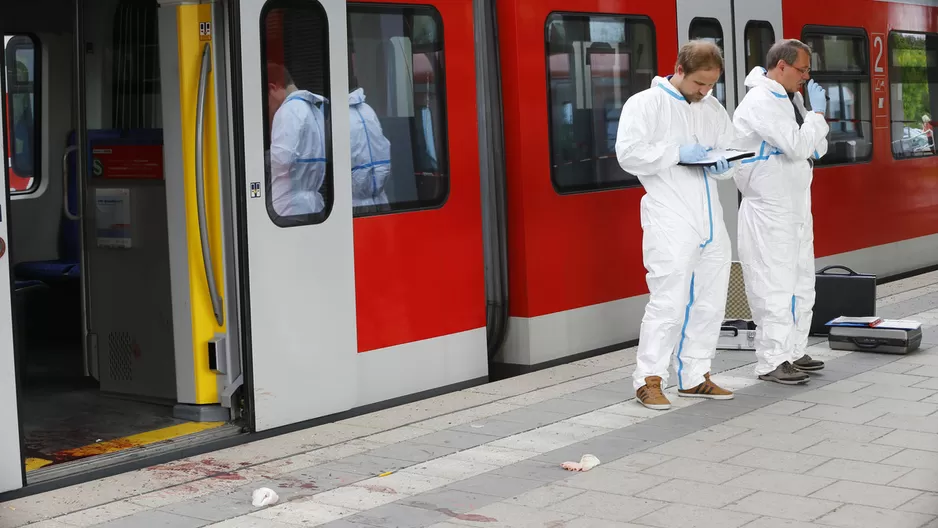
[685, 246]
[370, 150]
[297, 146]
[776, 229]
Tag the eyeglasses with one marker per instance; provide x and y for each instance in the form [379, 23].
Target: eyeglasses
[804, 71]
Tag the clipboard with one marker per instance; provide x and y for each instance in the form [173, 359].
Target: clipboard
[713, 156]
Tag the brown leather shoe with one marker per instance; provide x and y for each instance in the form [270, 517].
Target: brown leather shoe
[650, 394]
[707, 389]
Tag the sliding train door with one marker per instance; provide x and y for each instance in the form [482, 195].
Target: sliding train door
[758, 23]
[713, 20]
[11, 462]
[298, 217]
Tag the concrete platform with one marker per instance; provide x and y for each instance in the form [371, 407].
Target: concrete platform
[857, 446]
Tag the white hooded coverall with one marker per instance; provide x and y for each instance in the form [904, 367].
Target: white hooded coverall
[776, 228]
[371, 153]
[298, 155]
[685, 246]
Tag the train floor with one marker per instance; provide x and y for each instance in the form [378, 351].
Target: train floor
[65, 417]
[857, 446]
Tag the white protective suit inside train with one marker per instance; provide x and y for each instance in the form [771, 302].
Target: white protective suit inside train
[371, 153]
[298, 155]
[685, 246]
[776, 228]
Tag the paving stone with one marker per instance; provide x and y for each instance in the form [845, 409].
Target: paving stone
[772, 522]
[400, 516]
[531, 417]
[457, 440]
[926, 503]
[496, 485]
[363, 464]
[786, 407]
[905, 408]
[99, 514]
[682, 420]
[504, 515]
[913, 458]
[597, 395]
[154, 519]
[638, 461]
[545, 495]
[851, 450]
[607, 506]
[248, 521]
[859, 471]
[845, 386]
[922, 424]
[604, 419]
[773, 440]
[692, 493]
[534, 470]
[833, 413]
[920, 479]
[494, 427]
[491, 455]
[566, 407]
[780, 482]
[897, 392]
[844, 431]
[613, 481]
[784, 506]
[700, 449]
[697, 470]
[663, 432]
[884, 378]
[777, 460]
[838, 399]
[413, 452]
[450, 499]
[403, 483]
[451, 468]
[214, 507]
[866, 494]
[771, 422]
[358, 498]
[853, 515]
[688, 516]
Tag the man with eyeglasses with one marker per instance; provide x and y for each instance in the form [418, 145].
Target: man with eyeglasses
[776, 228]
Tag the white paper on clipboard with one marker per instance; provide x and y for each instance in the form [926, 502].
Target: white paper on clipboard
[713, 156]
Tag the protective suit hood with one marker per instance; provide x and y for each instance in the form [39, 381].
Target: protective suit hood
[665, 84]
[356, 97]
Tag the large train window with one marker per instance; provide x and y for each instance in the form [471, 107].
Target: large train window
[709, 29]
[22, 130]
[913, 79]
[840, 63]
[594, 64]
[297, 126]
[397, 108]
[759, 37]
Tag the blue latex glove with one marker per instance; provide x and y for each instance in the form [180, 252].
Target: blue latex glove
[817, 96]
[692, 153]
[721, 167]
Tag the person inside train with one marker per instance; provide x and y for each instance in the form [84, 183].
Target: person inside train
[297, 145]
[776, 228]
[685, 246]
[370, 149]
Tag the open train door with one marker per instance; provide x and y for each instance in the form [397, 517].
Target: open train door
[713, 20]
[298, 255]
[11, 463]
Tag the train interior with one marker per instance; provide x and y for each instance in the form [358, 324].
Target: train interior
[96, 364]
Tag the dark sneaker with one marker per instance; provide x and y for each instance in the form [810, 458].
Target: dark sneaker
[787, 374]
[806, 363]
[707, 389]
[650, 394]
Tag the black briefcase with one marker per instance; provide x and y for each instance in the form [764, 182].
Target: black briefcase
[849, 294]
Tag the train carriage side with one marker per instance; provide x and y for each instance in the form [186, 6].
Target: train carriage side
[875, 194]
[575, 267]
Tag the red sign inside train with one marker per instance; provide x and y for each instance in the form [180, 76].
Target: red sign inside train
[137, 162]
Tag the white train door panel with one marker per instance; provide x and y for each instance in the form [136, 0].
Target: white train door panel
[713, 20]
[11, 461]
[758, 26]
[299, 241]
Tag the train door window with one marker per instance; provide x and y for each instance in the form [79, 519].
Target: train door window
[709, 29]
[594, 64]
[22, 56]
[913, 78]
[759, 37]
[839, 63]
[397, 109]
[297, 109]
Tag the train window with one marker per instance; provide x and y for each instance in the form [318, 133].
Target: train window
[839, 63]
[397, 108]
[913, 78]
[594, 64]
[710, 29]
[22, 129]
[759, 37]
[297, 125]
